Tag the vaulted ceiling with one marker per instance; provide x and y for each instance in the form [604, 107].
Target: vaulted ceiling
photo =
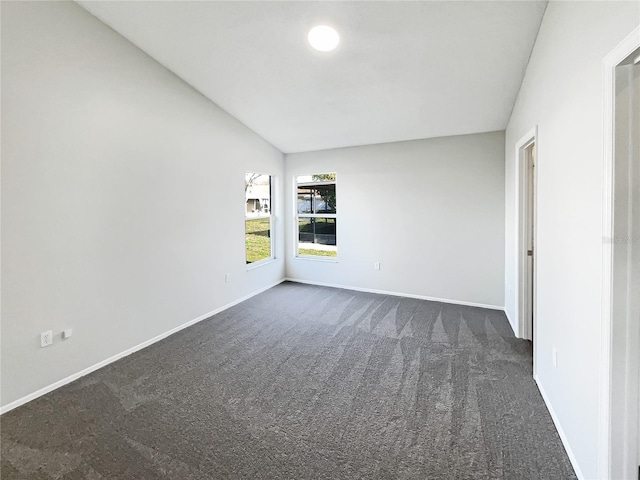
[402, 71]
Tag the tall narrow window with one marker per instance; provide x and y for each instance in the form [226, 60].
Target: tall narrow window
[258, 220]
[316, 215]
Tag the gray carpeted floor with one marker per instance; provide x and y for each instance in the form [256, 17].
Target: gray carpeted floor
[302, 382]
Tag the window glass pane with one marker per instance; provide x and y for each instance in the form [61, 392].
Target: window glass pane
[316, 178]
[317, 236]
[258, 239]
[325, 199]
[257, 190]
[305, 230]
[305, 195]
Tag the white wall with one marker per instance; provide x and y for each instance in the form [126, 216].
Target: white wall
[562, 94]
[122, 196]
[430, 211]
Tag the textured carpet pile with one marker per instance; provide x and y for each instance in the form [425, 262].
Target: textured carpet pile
[302, 382]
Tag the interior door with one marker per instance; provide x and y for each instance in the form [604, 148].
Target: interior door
[530, 235]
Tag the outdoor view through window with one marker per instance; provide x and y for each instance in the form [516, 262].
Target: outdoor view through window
[316, 211]
[257, 222]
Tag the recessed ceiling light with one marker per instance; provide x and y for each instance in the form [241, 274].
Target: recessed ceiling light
[323, 38]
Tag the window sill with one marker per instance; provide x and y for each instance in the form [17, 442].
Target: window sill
[317, 259]
[260, 263]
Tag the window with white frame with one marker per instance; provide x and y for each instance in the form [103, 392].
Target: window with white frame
[316, 215]
[258, 220]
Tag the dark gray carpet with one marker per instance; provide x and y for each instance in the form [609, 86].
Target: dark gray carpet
[302, 382]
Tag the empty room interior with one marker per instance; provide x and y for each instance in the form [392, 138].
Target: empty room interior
[320, 240]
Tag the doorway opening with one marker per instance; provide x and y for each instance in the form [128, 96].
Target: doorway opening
[530, 201]
[526, 152]
[620, 386]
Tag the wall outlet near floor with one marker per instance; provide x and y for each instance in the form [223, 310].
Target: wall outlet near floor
[67, 333]
[227, 277]
[376, 265]
[46, 338]
[554, 357]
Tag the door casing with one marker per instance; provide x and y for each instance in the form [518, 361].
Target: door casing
[524, 321]
[619, 375]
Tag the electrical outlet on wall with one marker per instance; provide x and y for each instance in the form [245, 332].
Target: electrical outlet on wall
[376, 265]
[227, 277]
[554, 357]
[46, 338]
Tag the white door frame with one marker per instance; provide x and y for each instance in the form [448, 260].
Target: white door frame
[523, 322]
[611, 464]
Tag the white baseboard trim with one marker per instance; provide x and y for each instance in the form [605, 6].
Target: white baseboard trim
[563, 437]
[396, 294]
[49, 388]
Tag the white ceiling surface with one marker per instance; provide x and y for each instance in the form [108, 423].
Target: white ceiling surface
[402, 71]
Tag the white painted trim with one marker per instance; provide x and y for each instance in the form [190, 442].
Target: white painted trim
[260, 263]
[396, 294]
[563, 436]
[129, 351]
[523, 329]
[604, 373]
[506, 314]
[617, 55]
[0, 203]
[316, 258]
